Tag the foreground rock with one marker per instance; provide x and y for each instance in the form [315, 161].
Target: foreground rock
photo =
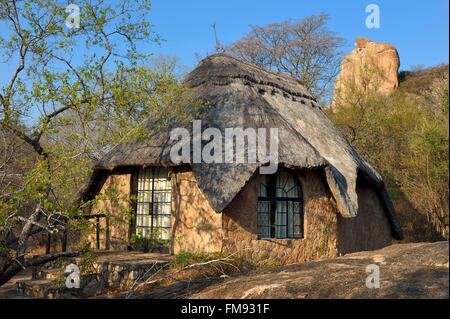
[108, 270]
[371, 66]
[406, 271]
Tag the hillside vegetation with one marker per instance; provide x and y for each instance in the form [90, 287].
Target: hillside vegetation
[405, 136]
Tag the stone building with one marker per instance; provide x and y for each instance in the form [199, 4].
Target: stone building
[323, 201]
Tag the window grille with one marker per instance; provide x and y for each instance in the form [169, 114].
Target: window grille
[153, 209]
[280, 206]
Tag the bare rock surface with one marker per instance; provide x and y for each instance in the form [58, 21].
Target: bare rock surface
[418, 270]
[370, 66]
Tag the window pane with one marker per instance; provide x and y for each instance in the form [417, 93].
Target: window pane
[264, 219]
[286, 217]
[281, 223]
[262, 187]
[165, 233]
[153, 202]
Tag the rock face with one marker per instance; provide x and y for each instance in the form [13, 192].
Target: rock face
[371, 66]
[406, 271]
[417, 270]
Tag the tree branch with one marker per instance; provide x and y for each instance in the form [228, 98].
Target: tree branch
[17, 266]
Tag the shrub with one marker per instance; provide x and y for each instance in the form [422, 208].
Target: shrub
[405, 137]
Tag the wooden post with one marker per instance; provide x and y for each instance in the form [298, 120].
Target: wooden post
[49, 242]
[107, 233]
[97, 234]
[64, 241]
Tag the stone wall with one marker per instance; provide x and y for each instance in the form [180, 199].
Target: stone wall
[370, 229]
[240, 228]
[196, 227]
[114, 202]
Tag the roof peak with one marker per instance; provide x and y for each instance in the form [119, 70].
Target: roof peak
[251, 65]
[222, 69]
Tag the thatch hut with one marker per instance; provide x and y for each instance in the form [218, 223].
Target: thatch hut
[324, 200]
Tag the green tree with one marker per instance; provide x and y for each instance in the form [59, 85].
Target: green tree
[73, 94]
[405, 136]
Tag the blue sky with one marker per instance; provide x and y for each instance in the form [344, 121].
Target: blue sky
[419, 29]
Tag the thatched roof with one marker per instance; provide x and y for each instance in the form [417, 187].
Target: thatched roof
[239, 94]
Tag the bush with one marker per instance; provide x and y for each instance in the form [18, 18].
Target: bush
[148, 244]
[405, 137]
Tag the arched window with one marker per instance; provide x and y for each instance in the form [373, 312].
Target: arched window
[280, 206]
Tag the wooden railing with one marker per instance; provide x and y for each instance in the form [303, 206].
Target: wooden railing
[97, 218]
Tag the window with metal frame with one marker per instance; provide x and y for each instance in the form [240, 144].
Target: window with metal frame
[280, 206]
[153, 206]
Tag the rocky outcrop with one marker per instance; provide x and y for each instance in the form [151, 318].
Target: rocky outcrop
[371, 66]
[406, 271]
[418, 270]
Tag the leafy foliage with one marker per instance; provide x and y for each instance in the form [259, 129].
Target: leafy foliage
[73, 95]
[405, 136]
[148, 243]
